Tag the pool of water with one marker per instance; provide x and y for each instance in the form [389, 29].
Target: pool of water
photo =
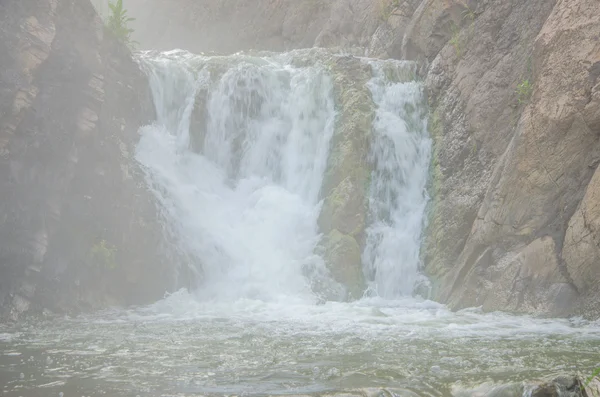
[183, 347]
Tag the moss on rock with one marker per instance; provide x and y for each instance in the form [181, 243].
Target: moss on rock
[344, 213]
[342, 252]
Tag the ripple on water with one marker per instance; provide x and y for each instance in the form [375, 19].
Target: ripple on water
[279, 349]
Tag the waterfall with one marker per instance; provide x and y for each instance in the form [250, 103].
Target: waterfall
[400, 153]
[237, 158]
[245, 208]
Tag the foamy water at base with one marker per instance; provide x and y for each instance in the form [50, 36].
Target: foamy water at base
[180, 346]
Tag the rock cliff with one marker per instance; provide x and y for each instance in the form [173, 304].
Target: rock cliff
[77, 228]
[514, 102]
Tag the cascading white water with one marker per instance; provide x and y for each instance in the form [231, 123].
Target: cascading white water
[400, 153]
[245, 208]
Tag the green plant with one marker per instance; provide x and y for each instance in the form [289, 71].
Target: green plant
[455, 40]
[590, 378]
[103, 254]
[118, 21]
[524, 90]
[387, 8]
[468, 13]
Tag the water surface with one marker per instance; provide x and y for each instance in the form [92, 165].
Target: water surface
[183, 347]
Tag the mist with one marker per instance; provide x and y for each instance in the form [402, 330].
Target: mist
[324, 198]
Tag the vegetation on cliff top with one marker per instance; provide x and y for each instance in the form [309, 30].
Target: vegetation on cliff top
[118, 23]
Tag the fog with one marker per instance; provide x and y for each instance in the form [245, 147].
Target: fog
[277, 197]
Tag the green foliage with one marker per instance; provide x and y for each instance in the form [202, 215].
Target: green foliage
[118, 21]
[524, 90]
[387, 8]
[367, 184]
[103, 254]
[467, 15]
[455, 40]
[474, 148]
[591, 377]
[436, 131]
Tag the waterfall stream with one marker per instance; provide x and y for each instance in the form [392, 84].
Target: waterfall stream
[246, 206]
[238, 159]
[245, 199]
[400, 153]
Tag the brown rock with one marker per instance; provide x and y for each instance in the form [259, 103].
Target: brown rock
[538, 179]
[432, 26]
[474, 118]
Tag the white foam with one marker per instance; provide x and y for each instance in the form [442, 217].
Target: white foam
[245, 208]
[400, 153]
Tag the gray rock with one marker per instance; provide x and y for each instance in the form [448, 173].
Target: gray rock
[71, 102]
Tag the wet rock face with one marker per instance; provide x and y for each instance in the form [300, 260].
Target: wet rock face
[77, 227]
[343, 216]
[474, 110]
[516, 148]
